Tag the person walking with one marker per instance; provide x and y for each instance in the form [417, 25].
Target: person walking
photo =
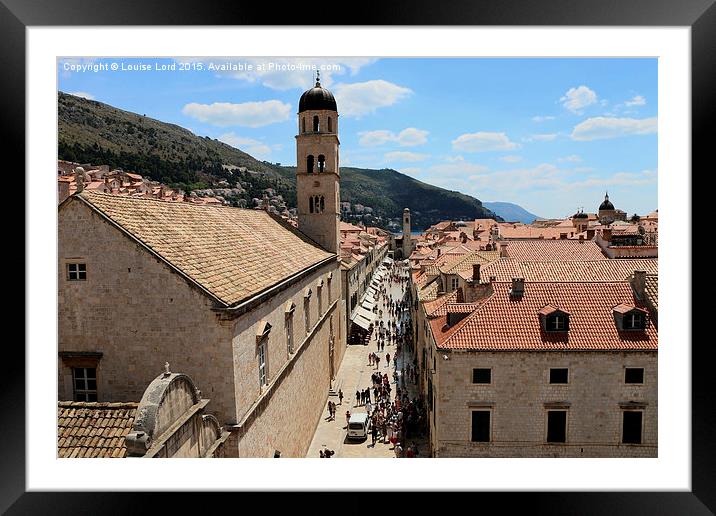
[374, 434]
[387, 360]
[357, 398]
[377, 362]
[348, 417]
[330, 410]
[340, 397]
[368, 408]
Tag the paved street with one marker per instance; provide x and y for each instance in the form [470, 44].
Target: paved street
[355, 374]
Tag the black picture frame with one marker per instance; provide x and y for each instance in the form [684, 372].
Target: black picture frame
[700, 15]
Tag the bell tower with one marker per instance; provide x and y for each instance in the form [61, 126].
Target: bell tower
[317, 172]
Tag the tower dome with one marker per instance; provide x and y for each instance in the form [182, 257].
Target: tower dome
[317, 98]
[606, 205]
[580, 215]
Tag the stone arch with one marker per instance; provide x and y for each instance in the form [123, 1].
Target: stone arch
[323, 204]
[321, 163]
[168, 397]
[309, 164]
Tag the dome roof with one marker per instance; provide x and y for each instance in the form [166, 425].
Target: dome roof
[317, 98]
[580, 215]
[606, 205]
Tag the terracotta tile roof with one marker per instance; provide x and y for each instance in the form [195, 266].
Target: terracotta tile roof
[231, 253]
[437, 306]
[528, 231]
[505, 323]
[93, 429]
[429, 291]
[465, 263]
[565, 250]
[505, 269]
[652, 289]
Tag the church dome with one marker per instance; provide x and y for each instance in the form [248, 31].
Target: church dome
[317, 98]
[580, 215]
[606, 205]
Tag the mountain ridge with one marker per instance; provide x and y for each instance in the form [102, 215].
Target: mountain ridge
[90, 131]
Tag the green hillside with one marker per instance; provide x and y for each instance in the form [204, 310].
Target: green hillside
[93, 132]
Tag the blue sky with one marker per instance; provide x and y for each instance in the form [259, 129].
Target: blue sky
[548, 134]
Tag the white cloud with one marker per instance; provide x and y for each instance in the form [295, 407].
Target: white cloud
[544, 175]
[573, 158]
[82, 94]
[578, 98]
[541, 137]
[457, 167]
[403, 157]
[542, 118]
[483, 141]
[363, 98]
[645, 177]
[409, 137]
[283, 73]
[248, 114]
[602, 127]
[511, 159]
[256, 148]
[637, 100]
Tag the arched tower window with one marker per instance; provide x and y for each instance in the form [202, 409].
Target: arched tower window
[323, 204]
[321, 163]
[309, 164]
[330, 125]
[310, 204]
[303, 124]
[316, 124]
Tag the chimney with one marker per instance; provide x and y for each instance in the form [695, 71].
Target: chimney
[639, 283]
[459, 296]
[438, 252]
[518, 287]
[503, 249]
[476, 272]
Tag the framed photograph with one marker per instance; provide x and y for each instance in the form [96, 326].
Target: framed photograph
[432, 234]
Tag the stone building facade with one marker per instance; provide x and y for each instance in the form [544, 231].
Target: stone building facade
[150, 293]
[499, 379]
[244, 303]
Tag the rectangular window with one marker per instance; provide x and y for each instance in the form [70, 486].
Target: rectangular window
[634, 321]
[558, 375]
[631, 433]
[262, 363]
[76, 271]
[482, 375]
[319, 295]
[289, 333]
[307, 315]
[330, 296]
[85, 383]
[453, 284]
[556, 323]
[481, 426]
[634, 375]
[556, 426]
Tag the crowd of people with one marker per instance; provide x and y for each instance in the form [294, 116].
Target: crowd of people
[396, 418]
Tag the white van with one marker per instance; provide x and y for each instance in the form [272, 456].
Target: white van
[358, 426]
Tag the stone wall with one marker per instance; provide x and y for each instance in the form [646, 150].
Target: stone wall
[284, 414]
[138, 313]
[517, 396]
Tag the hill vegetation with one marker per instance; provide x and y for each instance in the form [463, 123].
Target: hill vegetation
[97, 133]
